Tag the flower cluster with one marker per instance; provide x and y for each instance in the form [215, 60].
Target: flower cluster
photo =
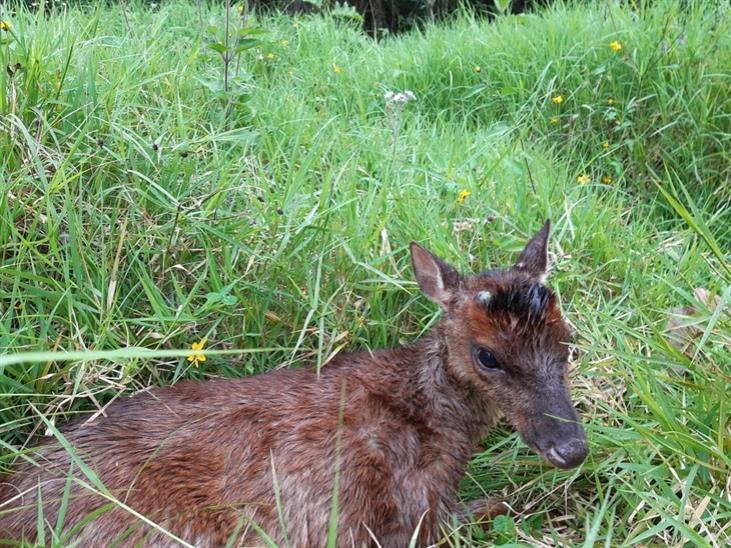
[556, 111]
[398, 99]
[583, 179]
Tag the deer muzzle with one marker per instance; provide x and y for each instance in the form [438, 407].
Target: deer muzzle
[555, 432]
[568, 454]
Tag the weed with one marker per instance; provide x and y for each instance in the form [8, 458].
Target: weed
[138, 216]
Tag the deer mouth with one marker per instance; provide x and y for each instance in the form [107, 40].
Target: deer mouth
[568, 455]
[555, 458]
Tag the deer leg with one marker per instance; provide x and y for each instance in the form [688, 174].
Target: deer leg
[481, 510]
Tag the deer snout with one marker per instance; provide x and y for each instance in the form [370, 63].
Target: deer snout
[568, 454]
[558, 435]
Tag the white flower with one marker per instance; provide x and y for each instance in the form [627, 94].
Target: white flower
[398, 99]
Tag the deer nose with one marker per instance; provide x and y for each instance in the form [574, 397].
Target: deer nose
[568, 454]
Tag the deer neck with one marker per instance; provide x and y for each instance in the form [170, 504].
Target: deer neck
[456, 411]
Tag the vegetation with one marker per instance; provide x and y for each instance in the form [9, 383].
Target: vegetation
[148, 205]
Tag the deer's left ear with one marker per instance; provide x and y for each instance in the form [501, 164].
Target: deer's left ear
[534, 258]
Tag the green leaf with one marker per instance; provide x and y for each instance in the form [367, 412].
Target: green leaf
[247, 43]
[217, 46]
[504, 528]
[248, 31]
[215, 86]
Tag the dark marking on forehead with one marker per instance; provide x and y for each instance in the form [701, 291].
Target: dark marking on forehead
[529, 302]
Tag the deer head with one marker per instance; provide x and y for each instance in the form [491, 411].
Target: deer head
[507, 341]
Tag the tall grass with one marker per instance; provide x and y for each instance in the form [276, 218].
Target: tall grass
[144, 207]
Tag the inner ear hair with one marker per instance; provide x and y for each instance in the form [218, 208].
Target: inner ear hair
[437, 279]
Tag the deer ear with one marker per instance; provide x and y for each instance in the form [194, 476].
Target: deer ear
[534, 257]
[437, 279]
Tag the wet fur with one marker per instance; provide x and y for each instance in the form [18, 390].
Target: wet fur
[197, 458]
[397, 427]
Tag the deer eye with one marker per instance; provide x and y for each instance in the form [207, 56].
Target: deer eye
[485, 358]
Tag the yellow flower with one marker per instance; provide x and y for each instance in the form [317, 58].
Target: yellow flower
[285, 43]
[337, 69]
[477, 68]
[463, 196]
[553, 119]
[270, 56]
[241, 8]
[615, 46]
[607, 179]
[610, 101]
[605, 144]
[5, 25]
[583, 179]
[198, 357]
[558, 99]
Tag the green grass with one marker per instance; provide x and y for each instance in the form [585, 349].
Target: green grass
[143, 206]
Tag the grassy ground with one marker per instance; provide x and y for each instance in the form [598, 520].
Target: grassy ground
[144, 205]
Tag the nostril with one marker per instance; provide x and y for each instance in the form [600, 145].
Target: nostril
[572, 452]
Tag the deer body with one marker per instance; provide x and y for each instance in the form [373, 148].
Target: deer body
[396, 429]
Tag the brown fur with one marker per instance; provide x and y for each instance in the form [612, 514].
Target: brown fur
[396, 427]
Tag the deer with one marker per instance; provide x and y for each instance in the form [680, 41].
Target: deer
[378, 439]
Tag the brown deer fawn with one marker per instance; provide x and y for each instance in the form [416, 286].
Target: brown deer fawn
[383, 437]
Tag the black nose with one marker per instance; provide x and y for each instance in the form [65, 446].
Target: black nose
[568, 454]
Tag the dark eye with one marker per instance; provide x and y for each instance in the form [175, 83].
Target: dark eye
[485, 358]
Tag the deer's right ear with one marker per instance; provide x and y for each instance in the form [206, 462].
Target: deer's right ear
[437, 279]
